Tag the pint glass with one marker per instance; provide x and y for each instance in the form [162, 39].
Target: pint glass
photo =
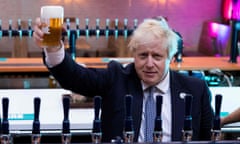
[52, 21]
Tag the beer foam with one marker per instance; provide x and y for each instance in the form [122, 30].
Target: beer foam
[52, 12]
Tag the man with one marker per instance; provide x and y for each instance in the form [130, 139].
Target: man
[153, 45]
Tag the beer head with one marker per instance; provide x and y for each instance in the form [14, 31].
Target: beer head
[52, 12]
[52, 21]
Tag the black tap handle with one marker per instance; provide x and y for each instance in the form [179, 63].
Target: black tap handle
[188, 110]
[37, 102]
[216, 120]
[66, 106]
[36, 122]
[188, 105]
[5, 124]
[158, 120]
[128, 100]
[97, 120]
[159, 106]
[128, 117]
[97, 107]
[218, 103]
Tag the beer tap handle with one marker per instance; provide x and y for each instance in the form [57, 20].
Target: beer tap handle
[36, 136]
[116, 29]
[97, 28]
[66, 135]
[216, 130]
[29, 28]
[5, 137]
[19, 28]
[10, 28]
[128, 129]
[157, 134]
[68, 27]
[72, 43]
[66, 106]
[77, 21]
[97, 131]
[1, 32]
[107, 29]
[125, 28]
[36, 122]
[5, 123]
[135, 23]
[87, 28]
[187, 128]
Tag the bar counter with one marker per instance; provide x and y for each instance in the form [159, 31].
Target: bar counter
[188, 63]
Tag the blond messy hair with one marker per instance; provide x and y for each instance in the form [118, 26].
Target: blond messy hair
[155, 29]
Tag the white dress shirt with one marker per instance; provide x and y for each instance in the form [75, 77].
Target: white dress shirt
[162, 89]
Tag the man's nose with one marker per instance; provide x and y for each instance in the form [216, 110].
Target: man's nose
[149, 61]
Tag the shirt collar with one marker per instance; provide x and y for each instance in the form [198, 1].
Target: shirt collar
[162, 86]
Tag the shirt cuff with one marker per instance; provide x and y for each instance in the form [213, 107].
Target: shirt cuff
[54, 58]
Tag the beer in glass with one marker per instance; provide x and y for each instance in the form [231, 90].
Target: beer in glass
[52, 21]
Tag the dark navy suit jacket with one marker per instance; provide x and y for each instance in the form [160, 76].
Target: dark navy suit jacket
[114, 82]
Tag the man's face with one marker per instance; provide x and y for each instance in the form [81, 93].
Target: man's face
[151, 62]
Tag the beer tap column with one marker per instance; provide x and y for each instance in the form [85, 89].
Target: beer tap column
[97, 131]
[97, 31]
[66, 135]
[216, 130]
[158, 134]
[30, 28]
[116, 29]
[36, 136]
[1, 32]
[107, 29]
[187, 128]
[5, 137]
[19, 29]
[128, 128]
[10, 29]
[125, 33]
[77, 27]
[87, 28]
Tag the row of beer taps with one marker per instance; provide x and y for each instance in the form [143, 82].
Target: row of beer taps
[87, 31]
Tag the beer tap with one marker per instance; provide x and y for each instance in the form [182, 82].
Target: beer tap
[216, 130]
[68, 27]
[1, 32]
[97, 28]
[5, 137]
[30, 28]
[66, 135]
[10, 28]
[187, 128]
[97, 131]
[128, 128]
[125, 28]
[107, 29]
[36, 136]
[19, 28]
[77, 27]
[87, 28]
[72, 43]
[158, 134]
[116, 29]
[135, 23]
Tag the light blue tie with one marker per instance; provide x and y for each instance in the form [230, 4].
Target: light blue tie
[150, 114]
